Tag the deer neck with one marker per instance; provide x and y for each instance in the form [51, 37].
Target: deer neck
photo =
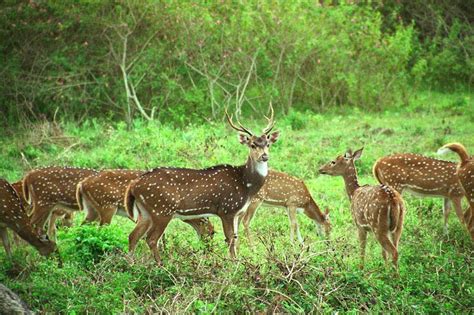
[254, 175]
[351, 182]
[29, 236]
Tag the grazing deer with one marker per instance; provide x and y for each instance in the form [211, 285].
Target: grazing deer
[283, 190]
[379, 209]
[13, 216]
[102, 196]
[465, 173]
[67, 217]
[422, 176]
[224, 191]
[52, 188]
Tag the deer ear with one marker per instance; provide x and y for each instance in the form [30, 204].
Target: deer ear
[273, 137]
[243, 139]
[357, 154]
[348, 154]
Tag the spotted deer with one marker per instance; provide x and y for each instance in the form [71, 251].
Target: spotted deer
[424, 177]
[13, 216]
[50, 189]
[224, 191]
[465, 174]
[379, 208]
[102, 197]
[67, 217]
[284, 190]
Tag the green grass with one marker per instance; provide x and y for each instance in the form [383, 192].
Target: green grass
[436, 271]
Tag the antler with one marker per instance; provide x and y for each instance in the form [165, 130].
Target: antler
[239, 129]
[271, 122]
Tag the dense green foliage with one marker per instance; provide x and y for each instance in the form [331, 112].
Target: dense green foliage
[188, 60]
[436, 271]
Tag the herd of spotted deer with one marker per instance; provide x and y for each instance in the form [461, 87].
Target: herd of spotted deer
[233, 193]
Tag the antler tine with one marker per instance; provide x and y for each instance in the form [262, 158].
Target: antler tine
[271, 122]
[241, 128]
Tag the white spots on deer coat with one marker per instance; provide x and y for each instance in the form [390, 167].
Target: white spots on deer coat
[420, 175]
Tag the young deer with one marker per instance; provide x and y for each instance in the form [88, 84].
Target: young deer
[422, 176]
[102, 196]
[379, 209]
[224, 191]
[13, 216]
[283, 190]
[52, 188]
[465, 174]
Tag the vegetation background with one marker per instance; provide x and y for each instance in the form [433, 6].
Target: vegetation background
[140, 84]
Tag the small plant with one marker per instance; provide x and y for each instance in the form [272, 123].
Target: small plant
[88, 244]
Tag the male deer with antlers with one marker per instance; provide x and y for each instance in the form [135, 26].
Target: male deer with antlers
[102, 197]
[465, 174]
[379, 209]
[52, 188]
[283, 190]
[224, 191]
[422, 176]
[13, 216]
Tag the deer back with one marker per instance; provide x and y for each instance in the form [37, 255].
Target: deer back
[420, 174]
[54, 185]
[107, 188]
[284, 190]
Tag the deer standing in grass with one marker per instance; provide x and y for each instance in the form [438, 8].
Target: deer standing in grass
[379, 208]
[50, 189]
[422, 176]
[13, 216]
[283, 190]
[224, 191]
[465, 174]
[102, 196]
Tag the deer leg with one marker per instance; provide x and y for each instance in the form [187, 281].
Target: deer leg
[39, 216]
[388, 246]
[52, 226]
[154, 234]
[16, 238]
[363, 242]
[230, 236]
[92, 213]
[106, 214]
[6, 241]
[469, 219]
[248, 216]
[143, 225]
[294, 225]
[458, 207]
[446, 211]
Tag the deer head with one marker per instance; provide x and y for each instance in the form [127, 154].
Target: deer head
[341, 164]
[258, 145]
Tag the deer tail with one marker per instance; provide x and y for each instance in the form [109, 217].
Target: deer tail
[397, 208]
[80, 201]
[377, 173]
[129, 202]
[455, 147]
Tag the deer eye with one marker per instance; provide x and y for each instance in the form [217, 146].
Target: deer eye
[253, 146]
[333, 162]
